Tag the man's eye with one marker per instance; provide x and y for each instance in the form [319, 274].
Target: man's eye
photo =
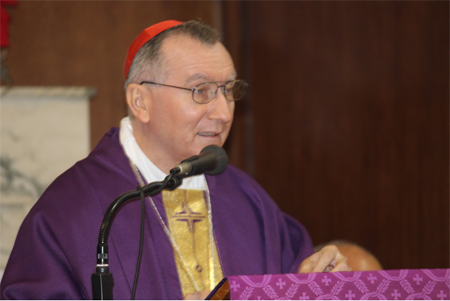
[229, 90]
[200, 91]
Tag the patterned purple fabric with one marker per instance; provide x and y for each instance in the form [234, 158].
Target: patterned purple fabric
[381, 285]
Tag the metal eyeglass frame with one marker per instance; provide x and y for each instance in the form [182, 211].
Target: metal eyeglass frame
[193, 90]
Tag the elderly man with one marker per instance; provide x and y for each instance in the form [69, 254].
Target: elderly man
[181, 88]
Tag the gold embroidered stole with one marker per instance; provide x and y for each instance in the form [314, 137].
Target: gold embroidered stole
[189, 225]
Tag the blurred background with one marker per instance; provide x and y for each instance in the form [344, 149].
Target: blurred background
[346, 121]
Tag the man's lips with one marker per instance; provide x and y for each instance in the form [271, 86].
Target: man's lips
[208, 134]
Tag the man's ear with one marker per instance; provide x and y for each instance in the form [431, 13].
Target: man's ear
[138, 100]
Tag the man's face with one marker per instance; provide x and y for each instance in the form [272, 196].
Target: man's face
[179, 127]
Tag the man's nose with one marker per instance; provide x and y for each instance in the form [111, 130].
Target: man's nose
[220, 108]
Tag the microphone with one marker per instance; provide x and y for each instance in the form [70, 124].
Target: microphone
[212, 160]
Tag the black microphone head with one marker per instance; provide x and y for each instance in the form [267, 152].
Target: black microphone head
[222, 159]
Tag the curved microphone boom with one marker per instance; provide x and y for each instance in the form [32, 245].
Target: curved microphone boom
[212, 160]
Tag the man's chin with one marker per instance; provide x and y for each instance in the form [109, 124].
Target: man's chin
[209, 141]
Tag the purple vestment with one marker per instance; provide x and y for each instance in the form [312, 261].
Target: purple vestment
[55, 251]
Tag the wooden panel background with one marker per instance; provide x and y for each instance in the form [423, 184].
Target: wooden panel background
[349, 110]
[346, 121]
[85, 43]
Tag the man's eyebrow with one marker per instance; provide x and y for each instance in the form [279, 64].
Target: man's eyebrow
[233, 76]
[202, 76]
[195, 77]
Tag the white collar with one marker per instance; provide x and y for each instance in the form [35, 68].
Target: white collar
[149, 170]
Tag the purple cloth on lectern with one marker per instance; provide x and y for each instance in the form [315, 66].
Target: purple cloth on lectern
[55, 251]
[378, 285]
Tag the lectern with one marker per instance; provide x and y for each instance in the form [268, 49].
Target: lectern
[386, 284]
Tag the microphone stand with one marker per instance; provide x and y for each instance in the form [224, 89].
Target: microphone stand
[102, 279]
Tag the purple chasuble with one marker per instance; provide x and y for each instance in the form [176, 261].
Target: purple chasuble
[55, 251]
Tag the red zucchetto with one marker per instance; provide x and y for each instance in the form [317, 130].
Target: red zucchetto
[145, 36]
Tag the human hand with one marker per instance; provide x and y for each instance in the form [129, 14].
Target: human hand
[197, 295]
[329, 259]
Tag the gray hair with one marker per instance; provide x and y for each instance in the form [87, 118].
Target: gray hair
[149, 61]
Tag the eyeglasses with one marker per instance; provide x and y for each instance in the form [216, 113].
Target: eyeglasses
[206, 92]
